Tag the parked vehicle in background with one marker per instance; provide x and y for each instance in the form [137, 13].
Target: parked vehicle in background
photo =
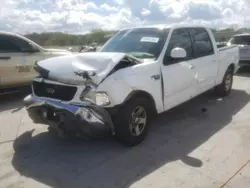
[17, 57]
[243, 41]
[138, 73]
[221, 44]
[98, 48]
[87, 49]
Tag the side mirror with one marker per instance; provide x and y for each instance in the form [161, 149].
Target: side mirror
[178, 53]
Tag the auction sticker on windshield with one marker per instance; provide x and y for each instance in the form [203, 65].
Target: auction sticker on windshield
[150, 39]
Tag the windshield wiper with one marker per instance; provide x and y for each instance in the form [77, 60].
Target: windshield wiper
[141, 54]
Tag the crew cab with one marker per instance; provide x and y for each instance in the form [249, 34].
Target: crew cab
[17, 57]
[243, 42]
[139, 73]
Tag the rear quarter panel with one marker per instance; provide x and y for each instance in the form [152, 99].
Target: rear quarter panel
[226, 57]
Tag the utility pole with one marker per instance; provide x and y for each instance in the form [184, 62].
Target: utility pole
[244, 15]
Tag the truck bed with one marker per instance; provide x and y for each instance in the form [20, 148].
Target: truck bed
[222, 47]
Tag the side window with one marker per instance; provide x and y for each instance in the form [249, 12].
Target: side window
[24, 45]
[201, 42]
[14, 44]
[7, 45]
[179, 38]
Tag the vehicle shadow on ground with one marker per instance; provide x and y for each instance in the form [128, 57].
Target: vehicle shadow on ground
[106, 163]
[13, 101]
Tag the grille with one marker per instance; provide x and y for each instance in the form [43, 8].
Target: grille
[60, 92]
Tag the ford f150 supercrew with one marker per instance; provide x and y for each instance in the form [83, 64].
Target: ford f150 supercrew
[140, 72]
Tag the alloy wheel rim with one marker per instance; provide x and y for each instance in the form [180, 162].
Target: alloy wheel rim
[138, 121]
[228, 82]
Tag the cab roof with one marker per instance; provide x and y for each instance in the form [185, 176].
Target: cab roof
[8, 33]
[165, 26]
[19, 36]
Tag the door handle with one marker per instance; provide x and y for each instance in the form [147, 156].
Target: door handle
[5, 58]
[156, 77]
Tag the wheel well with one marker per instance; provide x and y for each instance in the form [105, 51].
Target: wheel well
[231, 67]
[139, 93]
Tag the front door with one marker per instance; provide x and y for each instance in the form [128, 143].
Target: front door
[179, 75]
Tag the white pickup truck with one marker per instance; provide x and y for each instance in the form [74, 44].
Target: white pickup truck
[138, 73]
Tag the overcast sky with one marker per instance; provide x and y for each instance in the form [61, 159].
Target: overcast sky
[80, 16]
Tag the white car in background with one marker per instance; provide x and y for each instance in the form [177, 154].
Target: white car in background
[243, 42]
[17, 58]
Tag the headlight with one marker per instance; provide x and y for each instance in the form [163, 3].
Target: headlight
[102, 99]
[99, 98]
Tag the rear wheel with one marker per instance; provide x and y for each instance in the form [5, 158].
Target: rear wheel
[132, 121]
[224, 89]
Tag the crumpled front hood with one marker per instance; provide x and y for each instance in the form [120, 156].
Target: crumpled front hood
[64, 68]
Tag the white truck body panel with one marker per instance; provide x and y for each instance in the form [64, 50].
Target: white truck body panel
[137, 78]
[100, 63]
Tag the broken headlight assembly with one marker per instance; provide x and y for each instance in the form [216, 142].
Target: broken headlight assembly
[98, 98]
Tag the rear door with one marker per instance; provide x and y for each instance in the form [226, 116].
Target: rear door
[17, 58]
[206, 63]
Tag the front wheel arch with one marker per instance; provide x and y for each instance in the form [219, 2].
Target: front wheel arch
[231, 67]
[143, 94]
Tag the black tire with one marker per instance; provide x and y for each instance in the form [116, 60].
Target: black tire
[57, 133]
[225, 88]
[123, 119]
[52, 130]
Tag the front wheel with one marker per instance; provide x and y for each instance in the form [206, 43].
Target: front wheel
[224, 89]
[132, 121]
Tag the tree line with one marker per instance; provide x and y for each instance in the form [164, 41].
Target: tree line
[64, 39]
[95, 36]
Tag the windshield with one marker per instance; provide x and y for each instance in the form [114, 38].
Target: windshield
[240, 40]
[139, 42]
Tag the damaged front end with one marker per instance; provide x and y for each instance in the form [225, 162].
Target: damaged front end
[84, 119]
[65, 97]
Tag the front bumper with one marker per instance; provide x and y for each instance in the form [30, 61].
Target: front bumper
[83, 118]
